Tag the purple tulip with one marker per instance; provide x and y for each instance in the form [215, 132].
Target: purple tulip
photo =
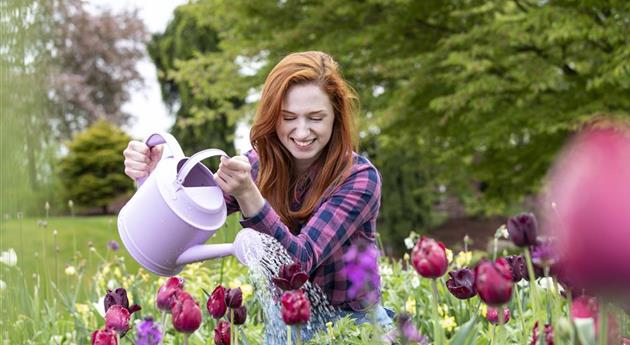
[240, 315]
[428, 257]
[234, 297]
[216, 303]
[523, 229]
[104, 337]
[290, 277]
[295, 307]
[492, 315]
[119, 297]
[361, 268]
[222, 333]
[493, 281]
[462, 283]
[518, 269]
[148, 333]
[408, 330]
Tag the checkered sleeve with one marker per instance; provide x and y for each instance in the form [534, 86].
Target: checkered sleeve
[331, 225]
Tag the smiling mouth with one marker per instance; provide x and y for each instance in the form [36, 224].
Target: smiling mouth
[303, 143]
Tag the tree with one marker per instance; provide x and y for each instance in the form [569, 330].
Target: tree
[186, 77]
[94, 58]
[92, 172]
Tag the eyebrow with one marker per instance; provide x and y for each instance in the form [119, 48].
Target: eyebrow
[309, 113]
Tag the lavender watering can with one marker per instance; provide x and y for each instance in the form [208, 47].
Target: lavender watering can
[176, 210]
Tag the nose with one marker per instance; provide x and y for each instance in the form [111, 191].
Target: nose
[302, 129]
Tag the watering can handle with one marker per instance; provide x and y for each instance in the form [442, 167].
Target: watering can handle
[193, 160]
[158, 138]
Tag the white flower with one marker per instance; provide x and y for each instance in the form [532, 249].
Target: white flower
[385, 270]
[415, 282]
[112, 284]
[100, 306]
[70, 270]
[408, 243]
[57, 339]
[9, 257]
[3, 285]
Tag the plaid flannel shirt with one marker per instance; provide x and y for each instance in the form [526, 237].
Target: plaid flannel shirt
[345, 217]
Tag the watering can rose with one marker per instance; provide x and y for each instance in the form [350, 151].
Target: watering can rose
[428, 257]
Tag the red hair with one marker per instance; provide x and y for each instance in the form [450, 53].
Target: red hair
[276, 178]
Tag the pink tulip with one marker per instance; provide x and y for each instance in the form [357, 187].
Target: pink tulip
[548, 334]
[222, 333]
[586, 209]
[167, 292]
[492, 315]
[186, 313]
[428, 257]
[216, 303]
[104, 337]
[295, 308]
[588, 307]
[493, 281]
[117, 318]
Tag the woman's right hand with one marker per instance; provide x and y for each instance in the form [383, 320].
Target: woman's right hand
[140, 160]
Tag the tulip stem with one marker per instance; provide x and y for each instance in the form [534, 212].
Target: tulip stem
[186, 338]
[494, 328]
[521, 317]
[437, 329]
[163, 321]
[232, 331]
[288, 334]
[603, 324]
[501, 324]
[298, 338]
[235, 335]
[532, 284]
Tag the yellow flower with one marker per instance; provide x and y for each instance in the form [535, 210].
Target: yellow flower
[483, 310]
[406, 257]
[449, 255]
[247, 290]
[463, 259]
[234, 284]
[70, 270]
[329, 327]
[443, 310]
[82, 308]
[448, 323]
[410, 305]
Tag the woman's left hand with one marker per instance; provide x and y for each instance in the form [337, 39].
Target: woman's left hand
[234, 176]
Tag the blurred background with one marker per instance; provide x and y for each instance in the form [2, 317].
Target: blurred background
[464, 104]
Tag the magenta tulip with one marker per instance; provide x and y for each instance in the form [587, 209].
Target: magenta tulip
[290, 277]
[216, 303]
[548, 334]
[186, 313]
[492, 315]
[104, 337]
[586, 209]
[462, 283]
[428, 257]
[234, 297]
[117, 318]
[493, 281]
[222, 333]
[166, 293]
[295, 307]
[588, 307]
[523, 229]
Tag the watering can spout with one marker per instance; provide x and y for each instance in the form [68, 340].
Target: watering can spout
[247, 247]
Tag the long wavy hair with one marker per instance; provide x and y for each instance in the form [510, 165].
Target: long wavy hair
[276, 176]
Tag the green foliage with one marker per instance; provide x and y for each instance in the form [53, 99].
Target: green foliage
[91, 172]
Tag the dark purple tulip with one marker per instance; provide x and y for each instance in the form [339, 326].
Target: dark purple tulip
[117, 318]
[240, 315]
[290, 277]
[518, 269]
[428, 257]
[186, 313]
[166, 293]
[408, 330]
[548, 334]
[119, 297]
[216, 303]
[104, 337]
[234, 297]
[295, 307]
[462, 283]
[523, 229]
[492, 315]
[493, 281]
[222, 333]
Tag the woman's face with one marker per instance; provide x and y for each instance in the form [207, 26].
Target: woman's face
[306, 123]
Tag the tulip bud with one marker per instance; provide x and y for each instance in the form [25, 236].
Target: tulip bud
[290, 277]
[548, 334]
[104, 337]
[462, 283]
[518, 268]
[428, 257]
[222, 333]
[492, 315]
[295, 307]
[523, 229]
[240, 315]
[117, 318]
[186, 313]
[216, 303]
[234, 297]
[166, 293]
[493, 281]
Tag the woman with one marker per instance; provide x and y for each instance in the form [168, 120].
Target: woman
[302, 183]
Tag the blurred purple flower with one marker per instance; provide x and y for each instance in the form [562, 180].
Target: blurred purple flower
[408, 330]
[361, 267]
[113, 245]
[148, 333]
[544, 255]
